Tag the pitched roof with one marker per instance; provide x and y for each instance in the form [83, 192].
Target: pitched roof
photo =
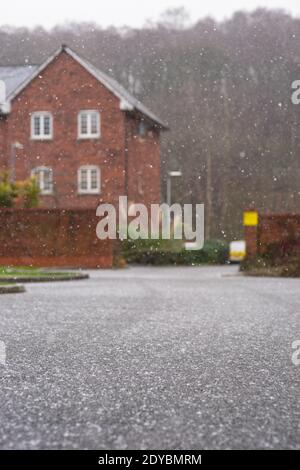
[16, 78]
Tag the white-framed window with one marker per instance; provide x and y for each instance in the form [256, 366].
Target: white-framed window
[41, 125]
[89, 179]
[89, 124]
[44, 178]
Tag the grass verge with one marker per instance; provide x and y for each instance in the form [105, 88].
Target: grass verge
[10, 274]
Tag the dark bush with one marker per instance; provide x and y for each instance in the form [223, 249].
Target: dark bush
[172, 252]
[288, 266]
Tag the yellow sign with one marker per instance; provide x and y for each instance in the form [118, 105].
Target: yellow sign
[250, 219]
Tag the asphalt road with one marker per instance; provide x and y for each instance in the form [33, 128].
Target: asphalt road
[146, 358]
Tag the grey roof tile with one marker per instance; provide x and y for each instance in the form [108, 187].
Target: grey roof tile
[14, 76]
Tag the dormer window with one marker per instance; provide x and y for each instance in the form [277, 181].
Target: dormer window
[41, 125]
[89, 124]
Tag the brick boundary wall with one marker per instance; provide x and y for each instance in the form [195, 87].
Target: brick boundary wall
[282, 230]
[53, 238]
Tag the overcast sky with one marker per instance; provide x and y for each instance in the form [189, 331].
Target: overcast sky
[123, 12]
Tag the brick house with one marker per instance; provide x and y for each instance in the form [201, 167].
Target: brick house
[83, 136]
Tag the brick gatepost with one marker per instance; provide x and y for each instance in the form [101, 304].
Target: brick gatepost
[251, 228]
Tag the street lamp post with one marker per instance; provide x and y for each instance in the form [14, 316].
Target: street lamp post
[171, 174]
[13, 154]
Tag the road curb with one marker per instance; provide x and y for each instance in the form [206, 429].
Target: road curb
[13, 289]
[48, 278]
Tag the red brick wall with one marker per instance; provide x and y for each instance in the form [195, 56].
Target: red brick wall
[3, 143]
[62, 238]
[251, 241]
[64, 88]
[281, 230]
[143, 164]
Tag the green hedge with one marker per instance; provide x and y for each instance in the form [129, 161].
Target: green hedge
[171, 252]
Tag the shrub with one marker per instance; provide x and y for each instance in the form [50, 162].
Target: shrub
[8, 191]
[28, 192]
[288, 266]
[150, 251]
[172, 252]
[24, 193]
[213, 252]
[259, 262]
